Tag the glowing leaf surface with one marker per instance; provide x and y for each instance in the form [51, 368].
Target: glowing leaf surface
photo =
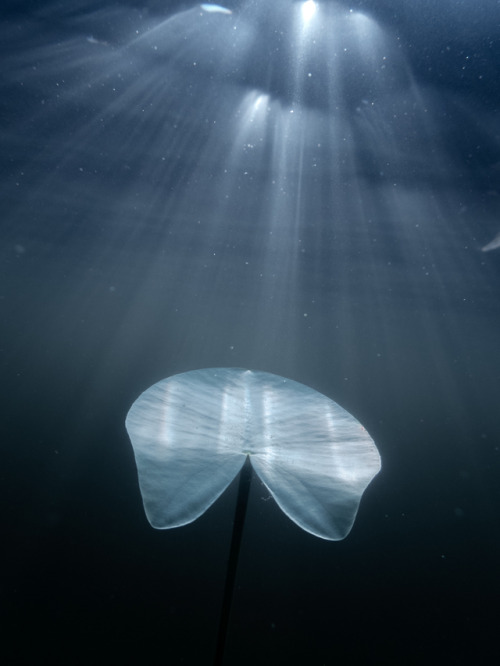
[191, 434]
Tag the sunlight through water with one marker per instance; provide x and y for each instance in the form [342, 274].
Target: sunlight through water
[275, 159]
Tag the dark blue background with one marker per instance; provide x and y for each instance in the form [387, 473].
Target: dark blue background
[105, 289]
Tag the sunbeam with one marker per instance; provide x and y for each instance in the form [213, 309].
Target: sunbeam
[305, 188]
[294, 149]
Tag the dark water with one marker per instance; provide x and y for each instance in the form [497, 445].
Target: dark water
[155, 219]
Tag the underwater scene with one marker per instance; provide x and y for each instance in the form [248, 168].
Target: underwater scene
[250, 332]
